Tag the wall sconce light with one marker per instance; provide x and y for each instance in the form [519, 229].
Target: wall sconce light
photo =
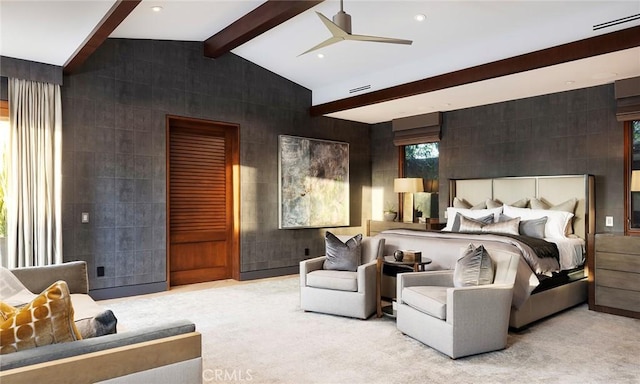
[407, 186]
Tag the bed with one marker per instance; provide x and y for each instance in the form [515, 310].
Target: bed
[544, 286]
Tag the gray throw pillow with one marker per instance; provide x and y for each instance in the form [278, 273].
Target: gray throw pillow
[104, 323]
[482, 220]
[475, 267]
[342, 256]
[566, 206]
[531, 228]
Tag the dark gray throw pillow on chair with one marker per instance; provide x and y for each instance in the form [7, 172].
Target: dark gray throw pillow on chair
[342, 256]
[475, 267]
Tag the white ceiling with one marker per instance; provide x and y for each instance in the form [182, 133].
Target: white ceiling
[455, 35]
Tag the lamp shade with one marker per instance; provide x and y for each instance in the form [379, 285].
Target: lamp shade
[408, 184]
[635, 181]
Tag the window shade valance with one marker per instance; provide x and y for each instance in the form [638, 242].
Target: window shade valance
[627, 93]
[418, 129]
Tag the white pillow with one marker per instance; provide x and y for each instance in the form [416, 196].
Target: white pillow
[557, 225]
[470, 213]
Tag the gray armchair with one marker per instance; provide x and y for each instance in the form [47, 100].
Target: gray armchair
[342, 293]
[458, 321]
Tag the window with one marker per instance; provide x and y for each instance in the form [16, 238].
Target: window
[421, 160]
[4, 141]
[632, 190]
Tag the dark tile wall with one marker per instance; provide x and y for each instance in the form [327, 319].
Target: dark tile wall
[29, 70]
[114, 113]
[573, 132]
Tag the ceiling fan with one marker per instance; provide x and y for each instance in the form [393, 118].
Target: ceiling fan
[340, 28]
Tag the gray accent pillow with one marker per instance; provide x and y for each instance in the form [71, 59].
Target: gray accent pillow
[475, 267]
[104, 323]
[566, 206]
[342, 256]
[462, 203]
[531, 228]
[482, 220]
[522, 203]
[509, 226]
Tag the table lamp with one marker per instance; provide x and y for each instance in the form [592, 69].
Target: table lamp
[407, 186]
[635, 181]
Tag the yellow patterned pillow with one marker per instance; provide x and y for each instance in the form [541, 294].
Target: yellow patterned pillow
[48, 319]
[6, 311]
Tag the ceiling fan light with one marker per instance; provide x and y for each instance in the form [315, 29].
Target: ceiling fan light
[156, 8]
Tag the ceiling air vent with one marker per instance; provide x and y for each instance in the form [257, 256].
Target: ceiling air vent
[360, 89]
[616, 22]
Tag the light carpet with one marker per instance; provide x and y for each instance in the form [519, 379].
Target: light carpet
[256, 332]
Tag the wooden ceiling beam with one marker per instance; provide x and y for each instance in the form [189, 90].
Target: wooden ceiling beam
[581, 49]
[268, 15]
[116, 15]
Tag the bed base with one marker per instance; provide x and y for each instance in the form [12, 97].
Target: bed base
[546, 303]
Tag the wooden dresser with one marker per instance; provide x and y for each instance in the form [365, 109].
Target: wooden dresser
[615, 282]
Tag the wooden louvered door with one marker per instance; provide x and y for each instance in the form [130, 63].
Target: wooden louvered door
[200, 195]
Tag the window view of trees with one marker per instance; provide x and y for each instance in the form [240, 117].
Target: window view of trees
[4, 139]
[635, 175]
[421, 160]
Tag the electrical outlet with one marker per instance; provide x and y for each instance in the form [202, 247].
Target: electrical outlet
[608, 221]
[306, 251]
[100, 271]
[85, 217]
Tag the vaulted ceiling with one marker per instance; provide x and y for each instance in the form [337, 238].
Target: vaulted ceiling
[464, 53]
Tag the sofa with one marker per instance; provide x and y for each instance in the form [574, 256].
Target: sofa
[170, 352]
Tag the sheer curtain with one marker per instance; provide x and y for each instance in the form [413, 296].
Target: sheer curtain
[34, 224]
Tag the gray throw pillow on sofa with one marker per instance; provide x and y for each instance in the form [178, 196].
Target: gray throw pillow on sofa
[475, 267]
[104, 323]
[342, 256]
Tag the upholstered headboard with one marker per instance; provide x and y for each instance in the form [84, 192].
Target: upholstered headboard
[552, 189]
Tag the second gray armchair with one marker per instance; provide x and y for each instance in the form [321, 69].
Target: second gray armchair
[458, 321]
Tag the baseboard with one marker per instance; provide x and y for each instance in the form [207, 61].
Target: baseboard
[128, 290]
[273, 272]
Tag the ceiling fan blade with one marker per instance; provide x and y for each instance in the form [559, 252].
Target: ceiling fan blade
[329, 41]
[378, 39]
[335, 30]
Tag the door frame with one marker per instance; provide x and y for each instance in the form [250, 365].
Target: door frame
[233, 131]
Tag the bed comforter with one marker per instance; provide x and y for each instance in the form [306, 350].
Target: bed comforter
[443, 248]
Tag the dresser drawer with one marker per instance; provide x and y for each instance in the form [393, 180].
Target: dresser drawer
[618, 244]
[618, 279]
[618, 298]
[618, 262]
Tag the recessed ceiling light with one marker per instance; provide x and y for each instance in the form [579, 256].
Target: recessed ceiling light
[569, 82]
[420, 17]
[320, 55]
[156, 8]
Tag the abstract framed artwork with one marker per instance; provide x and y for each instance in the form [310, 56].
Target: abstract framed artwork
[313, 178]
